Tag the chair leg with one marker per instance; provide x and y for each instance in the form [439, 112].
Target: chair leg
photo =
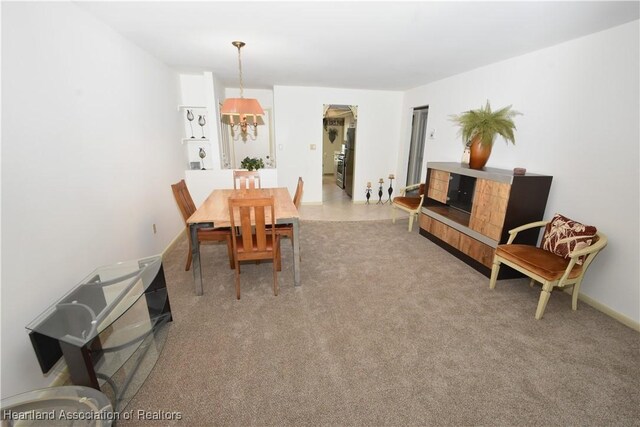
[494, 272]
[276, 267]
[410, 222]
[544, 298]
[574, 295]
[230, 252]
[237, 272]
[278, 256]
[188, 266]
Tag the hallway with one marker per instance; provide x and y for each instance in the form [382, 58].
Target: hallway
[337, 206]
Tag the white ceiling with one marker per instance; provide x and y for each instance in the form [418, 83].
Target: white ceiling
[367, 45]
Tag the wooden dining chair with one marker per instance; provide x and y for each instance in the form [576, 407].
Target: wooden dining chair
[286, 230]
[256, 241]
[187, 208]
[246, 180]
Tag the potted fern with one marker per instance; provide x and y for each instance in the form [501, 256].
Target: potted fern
[480, 127]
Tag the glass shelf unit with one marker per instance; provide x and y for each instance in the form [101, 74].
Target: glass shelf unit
[44, 407]
[105, 327]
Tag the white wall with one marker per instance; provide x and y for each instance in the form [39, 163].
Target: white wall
[580, 124]
[299, 124]
[90, 146]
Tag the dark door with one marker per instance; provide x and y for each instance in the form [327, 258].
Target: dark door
[416, 151]
[349, 160]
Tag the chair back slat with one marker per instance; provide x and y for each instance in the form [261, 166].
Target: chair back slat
[297, 197]
[246, 180]
[261, 233]
[183, 199]
[251, 212]
[245, 227]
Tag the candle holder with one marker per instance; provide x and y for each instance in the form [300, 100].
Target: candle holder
[202, 154]
[202, 122]
[190, 118]
[368, 193]
[390, 189]
[380, 202]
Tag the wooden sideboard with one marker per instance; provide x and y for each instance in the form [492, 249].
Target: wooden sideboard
[469, 212]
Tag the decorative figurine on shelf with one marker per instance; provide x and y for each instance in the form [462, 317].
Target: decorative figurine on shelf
[190, 118]
[466, 155]
[269, 163]
[380, 202]
[390, 190]
[202, 122]
[202, 155]
[368, 195]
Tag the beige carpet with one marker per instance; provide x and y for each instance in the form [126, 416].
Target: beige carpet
[387, 329]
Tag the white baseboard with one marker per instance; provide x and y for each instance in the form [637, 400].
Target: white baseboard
[622, 318]
[174, 242]
[63, 378]
[60, 374]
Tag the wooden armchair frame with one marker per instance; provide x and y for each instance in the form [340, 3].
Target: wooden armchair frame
[408, 204]
[572, 275]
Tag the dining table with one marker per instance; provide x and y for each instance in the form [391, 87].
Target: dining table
[214, 212]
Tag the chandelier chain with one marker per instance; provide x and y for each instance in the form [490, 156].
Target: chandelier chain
[240, 72]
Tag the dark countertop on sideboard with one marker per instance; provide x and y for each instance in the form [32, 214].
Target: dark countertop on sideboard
[493, 174]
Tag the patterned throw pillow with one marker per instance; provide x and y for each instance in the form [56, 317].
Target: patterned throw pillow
[563, 235]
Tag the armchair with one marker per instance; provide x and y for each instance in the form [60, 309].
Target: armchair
[411, 205]
[546, 267]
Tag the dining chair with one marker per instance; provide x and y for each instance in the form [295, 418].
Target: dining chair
[246, 179]
[411, 205]
[187, 208]
[566, 250]
[256, 241]
[286, 230]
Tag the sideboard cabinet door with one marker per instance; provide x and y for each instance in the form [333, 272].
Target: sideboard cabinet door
[490, 201]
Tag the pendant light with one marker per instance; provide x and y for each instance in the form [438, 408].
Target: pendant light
[238, 110]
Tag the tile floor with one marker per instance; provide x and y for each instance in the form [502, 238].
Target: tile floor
[337, 206]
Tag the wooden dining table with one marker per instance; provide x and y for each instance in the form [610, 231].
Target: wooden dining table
[214, 212]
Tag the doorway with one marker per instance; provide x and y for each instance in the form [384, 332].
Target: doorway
[416, 150]
[338, 151]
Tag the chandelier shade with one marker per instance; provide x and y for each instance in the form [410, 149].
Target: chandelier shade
[236, 110]
[241, 106]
